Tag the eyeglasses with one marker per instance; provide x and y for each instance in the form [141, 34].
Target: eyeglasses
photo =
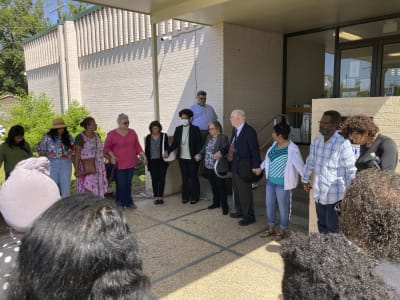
[126, 123]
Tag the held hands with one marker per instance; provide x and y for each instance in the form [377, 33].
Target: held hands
[218, 155]
[113, 160]
[307, 187]
[257, 171]
[165, 154]
[197, 157]
[77, 173]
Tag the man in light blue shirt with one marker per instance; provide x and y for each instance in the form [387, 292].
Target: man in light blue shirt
[332, 163]
[203, 114]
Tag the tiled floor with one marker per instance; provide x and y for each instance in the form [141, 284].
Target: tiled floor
[191, 252]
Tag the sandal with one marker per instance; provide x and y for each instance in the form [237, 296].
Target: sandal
[280, 235]
[267, 233]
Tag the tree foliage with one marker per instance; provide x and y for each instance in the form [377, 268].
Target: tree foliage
[76, 8]
[19, 19]
[35, 114]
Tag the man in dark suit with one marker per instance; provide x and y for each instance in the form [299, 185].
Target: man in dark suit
[187, 143]
[244, 153]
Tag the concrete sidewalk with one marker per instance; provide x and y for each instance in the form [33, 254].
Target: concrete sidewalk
[191, 252]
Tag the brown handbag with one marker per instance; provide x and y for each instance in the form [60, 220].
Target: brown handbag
[89, 166]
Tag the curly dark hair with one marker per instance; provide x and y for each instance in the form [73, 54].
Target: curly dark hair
[155, 124]
[80, 248]
[186, 111]
[86, 122]
[360, 124]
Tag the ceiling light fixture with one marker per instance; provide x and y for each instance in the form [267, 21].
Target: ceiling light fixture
[349, 36]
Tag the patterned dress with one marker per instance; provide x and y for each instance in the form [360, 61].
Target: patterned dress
[96, 183]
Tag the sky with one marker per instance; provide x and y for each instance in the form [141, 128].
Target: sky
[49, 6]
[50, 9]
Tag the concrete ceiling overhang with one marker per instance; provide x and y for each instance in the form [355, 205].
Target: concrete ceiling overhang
[283, 16]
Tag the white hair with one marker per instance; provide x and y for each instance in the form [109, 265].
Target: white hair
[122, 117]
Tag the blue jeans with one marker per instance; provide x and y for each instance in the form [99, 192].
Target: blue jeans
[277, 194]
[328, 220]
[60, 172]
[123, 181]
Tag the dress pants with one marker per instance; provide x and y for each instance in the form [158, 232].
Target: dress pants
[328, 220]
[218, 187]
[243, 194]
[158, 172]
[190, 179]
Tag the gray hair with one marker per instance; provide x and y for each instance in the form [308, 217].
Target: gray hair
[122, 117]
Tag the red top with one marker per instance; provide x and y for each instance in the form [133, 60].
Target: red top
[125, 148]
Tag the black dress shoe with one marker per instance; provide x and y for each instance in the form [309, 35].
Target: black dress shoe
[161, 201]
[225, 212]
[245, 222]
[156, 202]
[212, 206]
[194, 201]
[185, 201]
[236, 215]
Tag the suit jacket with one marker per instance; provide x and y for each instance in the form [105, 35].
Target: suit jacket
[246, 148]
[195, 143]
[147, 149]
[221, 142]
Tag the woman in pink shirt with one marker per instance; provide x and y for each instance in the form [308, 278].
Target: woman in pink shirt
[123, 147]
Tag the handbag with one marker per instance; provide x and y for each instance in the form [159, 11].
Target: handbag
[171, 156]
[89, 164]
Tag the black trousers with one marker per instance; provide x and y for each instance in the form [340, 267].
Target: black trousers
[158, 171]
[218, 187]
[190, 179]
[243, 194]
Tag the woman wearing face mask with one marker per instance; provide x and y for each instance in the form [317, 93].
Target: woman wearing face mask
[14, 149]
[187, 142]
[376, 150]
[283, 164]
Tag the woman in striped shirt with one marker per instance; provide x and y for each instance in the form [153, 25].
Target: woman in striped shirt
[283, 163]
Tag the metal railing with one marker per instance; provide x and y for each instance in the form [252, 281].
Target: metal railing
[272, 122]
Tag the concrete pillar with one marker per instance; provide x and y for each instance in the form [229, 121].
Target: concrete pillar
[72, 62]
[63, 71]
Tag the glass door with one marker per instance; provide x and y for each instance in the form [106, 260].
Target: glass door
[390, 78]
[356, 72]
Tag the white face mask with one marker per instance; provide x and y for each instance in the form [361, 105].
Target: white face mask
[185, 122]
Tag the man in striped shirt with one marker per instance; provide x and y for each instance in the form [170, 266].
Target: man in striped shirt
[332, 163]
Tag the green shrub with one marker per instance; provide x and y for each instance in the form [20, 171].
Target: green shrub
[35, 114]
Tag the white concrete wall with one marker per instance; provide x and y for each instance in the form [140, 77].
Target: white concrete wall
[252, 74]
[46, 80]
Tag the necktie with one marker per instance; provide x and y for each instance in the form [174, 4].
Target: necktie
[232, 146]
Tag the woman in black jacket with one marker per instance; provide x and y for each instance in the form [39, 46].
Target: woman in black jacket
[215, 141]
[156, 143]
